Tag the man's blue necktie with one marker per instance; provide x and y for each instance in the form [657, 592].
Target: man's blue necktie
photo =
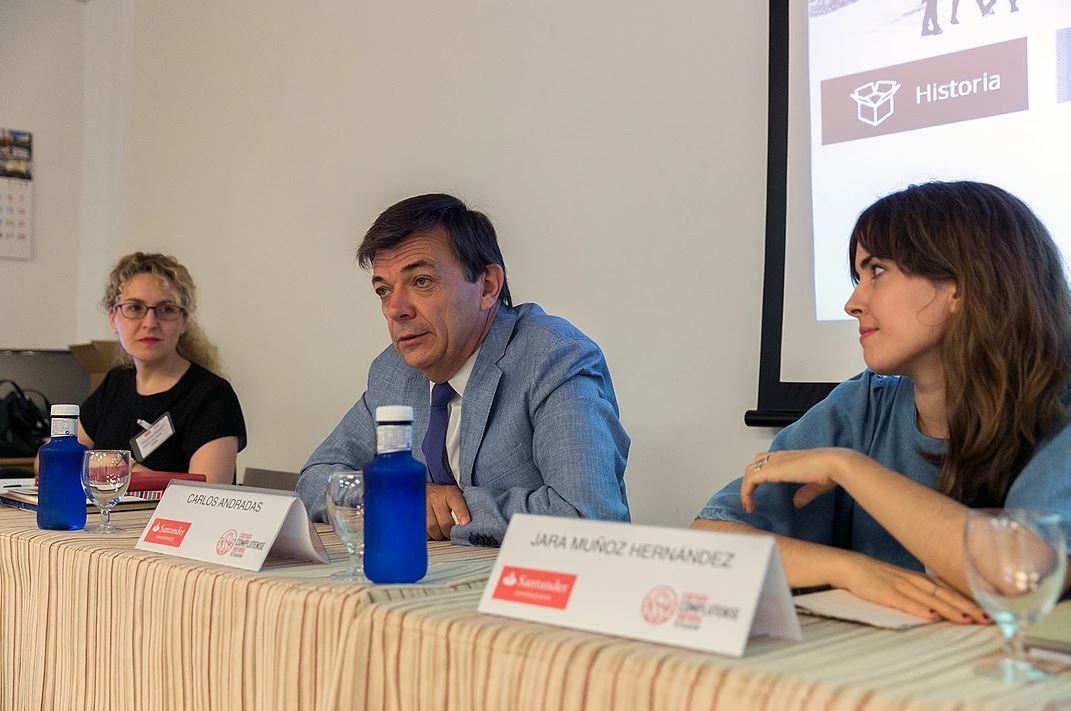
[434, 444]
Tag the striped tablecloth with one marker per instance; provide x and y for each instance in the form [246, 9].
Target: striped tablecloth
[441, 654]
[87, 622]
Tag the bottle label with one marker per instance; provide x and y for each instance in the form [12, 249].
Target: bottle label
[64, 426]
[394, 438]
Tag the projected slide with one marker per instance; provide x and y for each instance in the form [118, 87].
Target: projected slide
[904, 92]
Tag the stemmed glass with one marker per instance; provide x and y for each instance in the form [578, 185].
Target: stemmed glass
[105, 478]
[345, 507]
[1016, 561]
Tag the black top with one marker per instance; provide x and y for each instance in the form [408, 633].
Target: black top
[202, 406]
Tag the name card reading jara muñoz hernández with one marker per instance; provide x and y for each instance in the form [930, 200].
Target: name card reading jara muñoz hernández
[231, 525]
[695, 589]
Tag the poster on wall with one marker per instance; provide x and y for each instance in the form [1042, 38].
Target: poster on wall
[16, 194]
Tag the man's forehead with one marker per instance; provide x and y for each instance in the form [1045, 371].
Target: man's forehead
[432, 246]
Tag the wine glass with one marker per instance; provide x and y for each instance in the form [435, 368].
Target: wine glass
[1015, 561]
[105, 478]
[345, 507]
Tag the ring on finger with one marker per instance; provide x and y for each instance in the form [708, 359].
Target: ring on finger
[762, 462]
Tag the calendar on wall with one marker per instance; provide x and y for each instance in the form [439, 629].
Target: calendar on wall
[16, 194]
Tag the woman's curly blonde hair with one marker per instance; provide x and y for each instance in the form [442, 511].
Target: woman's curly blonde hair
[193, 345]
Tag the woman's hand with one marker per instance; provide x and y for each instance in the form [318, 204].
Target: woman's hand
[914, 593]
[818, 470]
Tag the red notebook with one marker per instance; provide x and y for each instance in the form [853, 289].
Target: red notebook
[148, 480]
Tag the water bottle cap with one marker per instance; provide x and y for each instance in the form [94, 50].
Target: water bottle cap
[65, 411]
[394, 413]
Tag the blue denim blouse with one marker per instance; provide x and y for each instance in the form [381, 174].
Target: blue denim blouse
[875, 415]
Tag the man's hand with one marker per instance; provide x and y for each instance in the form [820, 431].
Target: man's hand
[442, 500]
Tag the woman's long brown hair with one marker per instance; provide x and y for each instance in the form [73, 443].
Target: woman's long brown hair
[1006, 351]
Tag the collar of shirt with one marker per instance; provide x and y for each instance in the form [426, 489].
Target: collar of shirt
[460, 379]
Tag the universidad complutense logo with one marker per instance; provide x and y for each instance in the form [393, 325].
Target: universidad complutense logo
[225, 544]
[659, 605]
[167, 532]
[544, 588]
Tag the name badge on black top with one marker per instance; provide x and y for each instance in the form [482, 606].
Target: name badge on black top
[147, 442]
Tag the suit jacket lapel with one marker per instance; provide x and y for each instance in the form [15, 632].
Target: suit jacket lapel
[481, 388]
[418, 392]
[393, 382]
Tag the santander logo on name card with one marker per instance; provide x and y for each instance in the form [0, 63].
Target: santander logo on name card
[167, 532]
[535, 587]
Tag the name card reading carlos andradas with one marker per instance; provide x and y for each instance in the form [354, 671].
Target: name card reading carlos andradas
[231, 525]
[695, 589]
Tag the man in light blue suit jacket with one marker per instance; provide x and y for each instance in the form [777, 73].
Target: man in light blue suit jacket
[534, 427]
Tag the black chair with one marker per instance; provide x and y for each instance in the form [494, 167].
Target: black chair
[17, 473]
[270, 479]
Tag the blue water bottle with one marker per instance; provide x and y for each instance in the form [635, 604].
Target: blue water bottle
[395, 533]
[61, 502]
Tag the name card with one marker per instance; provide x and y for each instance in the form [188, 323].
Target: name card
[231, 525]
[696, 589]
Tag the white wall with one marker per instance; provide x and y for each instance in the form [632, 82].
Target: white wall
[619, 148]
[41, 91]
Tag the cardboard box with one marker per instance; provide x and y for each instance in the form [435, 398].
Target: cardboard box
[96, 358]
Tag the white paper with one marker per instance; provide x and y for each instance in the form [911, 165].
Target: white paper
[16, 223]
[843, 605]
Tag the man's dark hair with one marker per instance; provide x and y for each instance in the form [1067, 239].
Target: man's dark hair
[472, 236]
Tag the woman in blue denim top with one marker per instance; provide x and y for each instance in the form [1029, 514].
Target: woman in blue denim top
[965, 323]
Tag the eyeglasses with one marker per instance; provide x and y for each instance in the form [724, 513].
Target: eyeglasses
[135, 310]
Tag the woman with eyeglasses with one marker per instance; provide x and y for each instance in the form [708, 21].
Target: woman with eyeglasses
[164, 401]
